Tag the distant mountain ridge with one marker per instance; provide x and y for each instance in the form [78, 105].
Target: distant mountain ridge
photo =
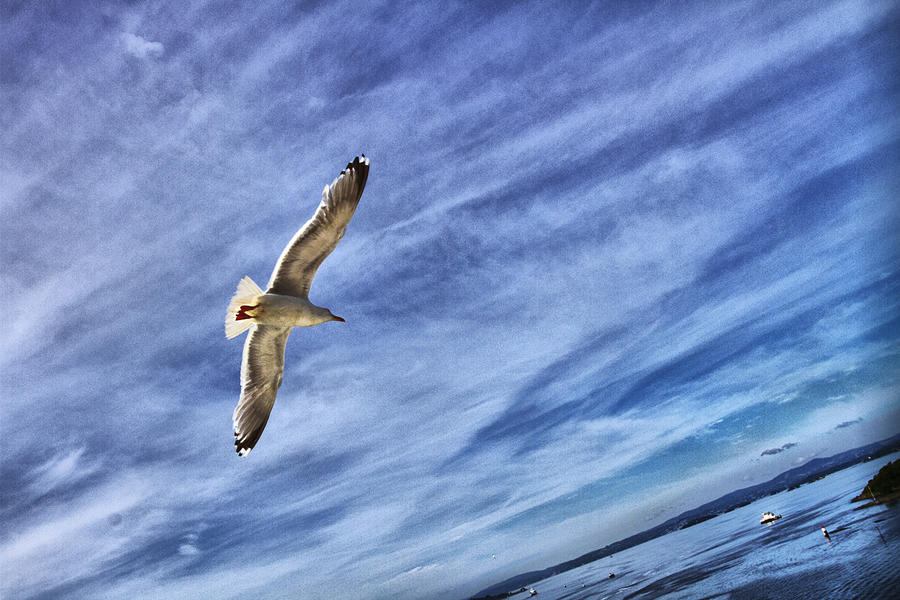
[792, 478]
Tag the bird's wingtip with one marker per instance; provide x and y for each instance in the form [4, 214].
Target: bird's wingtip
[361, 160]
[241, 449]
[240, 445]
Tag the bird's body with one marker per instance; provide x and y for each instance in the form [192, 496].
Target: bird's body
[286, 311]
[271, 315]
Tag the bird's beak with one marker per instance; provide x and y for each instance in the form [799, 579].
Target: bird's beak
[336, 318]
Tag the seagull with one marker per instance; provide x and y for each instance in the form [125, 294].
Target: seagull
[285, 304]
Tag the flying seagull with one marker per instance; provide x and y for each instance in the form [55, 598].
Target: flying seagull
[285, 304]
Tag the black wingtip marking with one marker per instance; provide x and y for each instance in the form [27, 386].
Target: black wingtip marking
[246, 443]
[239, 448]
[361, 169]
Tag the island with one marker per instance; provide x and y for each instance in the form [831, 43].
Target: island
[502, 595]
[884, 487]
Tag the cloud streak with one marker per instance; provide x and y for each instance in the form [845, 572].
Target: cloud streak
[600, 247]
[780, 449]
[141, 48]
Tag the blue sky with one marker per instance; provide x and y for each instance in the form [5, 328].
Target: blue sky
[610, 258]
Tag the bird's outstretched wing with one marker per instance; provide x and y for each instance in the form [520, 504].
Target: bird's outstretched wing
[261, 370]
[301, 258]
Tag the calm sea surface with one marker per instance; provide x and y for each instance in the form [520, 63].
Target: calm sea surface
[734, 557]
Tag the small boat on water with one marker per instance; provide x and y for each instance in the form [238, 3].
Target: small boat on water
[768, 517]
[532, 592]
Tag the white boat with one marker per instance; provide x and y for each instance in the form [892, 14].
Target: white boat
[768, 517]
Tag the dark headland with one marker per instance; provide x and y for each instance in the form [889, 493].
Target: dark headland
[884, 487]
[793, 478]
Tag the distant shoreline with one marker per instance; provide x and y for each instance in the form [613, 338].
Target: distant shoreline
[879, 500]
[793, 478]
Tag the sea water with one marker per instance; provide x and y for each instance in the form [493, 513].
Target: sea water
[733, 557]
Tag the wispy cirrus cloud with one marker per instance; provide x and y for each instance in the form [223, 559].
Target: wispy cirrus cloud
[64, 469]
[598, 248]
[141, 48]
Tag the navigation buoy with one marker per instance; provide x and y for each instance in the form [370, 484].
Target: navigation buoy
[825, 531]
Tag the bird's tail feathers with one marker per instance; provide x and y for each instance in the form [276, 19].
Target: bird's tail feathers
[236, 322]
